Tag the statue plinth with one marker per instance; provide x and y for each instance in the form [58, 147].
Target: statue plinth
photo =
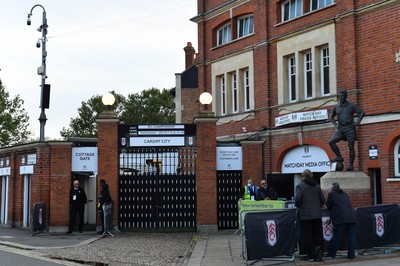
[356, 184]
[346, 180]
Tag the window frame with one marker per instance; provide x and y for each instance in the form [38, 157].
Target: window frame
[325, 79]
[308, 75]
[396, 153]
[223, 95]
[226, 31]
[235, 93]
[292, 78]
[242, 30]
[316, 4]
[289, 6]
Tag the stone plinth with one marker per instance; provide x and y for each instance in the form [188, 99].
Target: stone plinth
[356, 184]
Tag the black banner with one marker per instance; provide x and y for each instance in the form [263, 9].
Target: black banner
[378, 225]
[39, 218]
[269, 234]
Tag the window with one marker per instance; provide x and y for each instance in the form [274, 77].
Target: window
[397, 158]
[292, 9]
[235, 94]
[223, 96]
[306, 70]
[246, 85]
[308, 75]
[325, 71]
[318, 4]
[292, 78]
[245, 26]
[224, 34]
[233, 86]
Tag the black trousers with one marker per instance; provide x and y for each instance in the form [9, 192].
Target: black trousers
[312, 235]
[76, 210]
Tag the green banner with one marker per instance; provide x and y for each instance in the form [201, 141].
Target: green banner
[257, 205]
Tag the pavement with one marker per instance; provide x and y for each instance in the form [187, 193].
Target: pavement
[175, 249]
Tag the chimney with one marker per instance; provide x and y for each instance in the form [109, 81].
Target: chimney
[189, 55]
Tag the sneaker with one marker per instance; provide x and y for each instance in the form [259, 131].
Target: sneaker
[100, 232]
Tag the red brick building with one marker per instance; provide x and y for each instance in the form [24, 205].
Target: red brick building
[274, 69]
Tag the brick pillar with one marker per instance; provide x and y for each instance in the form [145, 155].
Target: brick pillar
[206, 175]
[252, 161]
[107, 142]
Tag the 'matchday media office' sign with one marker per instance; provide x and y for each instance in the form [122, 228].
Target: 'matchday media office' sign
[301, 117]
[306, 157]
[84, 159]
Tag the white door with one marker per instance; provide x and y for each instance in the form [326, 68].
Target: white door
[27, 196]
[4, 199]
[89, 185]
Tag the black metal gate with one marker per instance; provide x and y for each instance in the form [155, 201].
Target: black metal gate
[157, 188]
[229, 186]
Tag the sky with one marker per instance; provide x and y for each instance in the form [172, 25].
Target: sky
[93, 47]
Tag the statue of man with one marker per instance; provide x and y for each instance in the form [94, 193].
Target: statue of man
[345, 127]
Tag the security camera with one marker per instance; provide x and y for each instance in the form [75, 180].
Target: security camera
[28, 21]
[38, 44]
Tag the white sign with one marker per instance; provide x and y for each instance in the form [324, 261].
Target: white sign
[163, 132]
[156, 141]
[229, 158]
[31, 158]
[5, 171]
[301, 117]
[84, 159]
[161, 127]
[305, 157]
[26, 170]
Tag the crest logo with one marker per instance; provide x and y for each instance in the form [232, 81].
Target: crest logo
[123, 141]
[271, 232]
[379, 224]
[327, 228]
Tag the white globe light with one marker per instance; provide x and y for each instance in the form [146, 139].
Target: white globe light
[205, 98]
[108, 99]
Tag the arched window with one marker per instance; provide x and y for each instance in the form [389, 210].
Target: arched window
[397, 158]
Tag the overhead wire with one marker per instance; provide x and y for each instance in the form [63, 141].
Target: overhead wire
[117, 23]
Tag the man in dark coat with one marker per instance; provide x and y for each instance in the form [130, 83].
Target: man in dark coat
[104, 197]
[77, 201]
[343, 219]
[309, 201]
[266, 192]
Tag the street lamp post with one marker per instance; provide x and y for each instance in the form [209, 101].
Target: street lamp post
[45, 88]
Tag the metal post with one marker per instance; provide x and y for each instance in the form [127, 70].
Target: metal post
[42, 69]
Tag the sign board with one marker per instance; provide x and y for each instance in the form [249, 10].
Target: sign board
[5, 171]
[373, 152]
[305, 157]
[84, 159]
[229, 158]
[31, 158]
[173, 135]
[301, 117]
[26, 170]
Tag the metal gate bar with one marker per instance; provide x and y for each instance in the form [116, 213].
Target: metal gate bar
[229, 185]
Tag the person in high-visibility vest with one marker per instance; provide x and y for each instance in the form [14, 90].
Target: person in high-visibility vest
[250, 191]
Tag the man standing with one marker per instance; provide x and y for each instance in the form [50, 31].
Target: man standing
[104, 198]
[266, 192]
[309, 201]
[343, 219]
[77, 201]
[249, 192]
[346, 127]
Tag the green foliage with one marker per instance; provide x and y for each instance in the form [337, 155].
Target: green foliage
[151, 106]
[84, 125]
[13, 120]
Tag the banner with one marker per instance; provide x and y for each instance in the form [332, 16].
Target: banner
[257, 205]
[378, 225]
[270, 234]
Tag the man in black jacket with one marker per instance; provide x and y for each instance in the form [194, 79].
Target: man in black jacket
[104, 197]
[266, 192]
[309, 201]
[77, 201]
[343, 219]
